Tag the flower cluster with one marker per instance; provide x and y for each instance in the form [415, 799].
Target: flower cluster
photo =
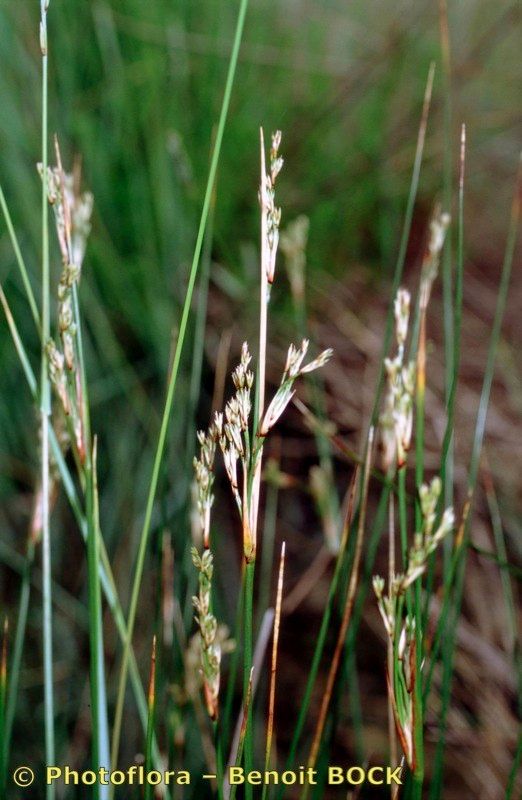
[72, 215]
[427, 540]
[294, 368]
[270, 213]
[397, 417]
[193, 675]
[424, 544]
[233, 430]
[430, 267]
[208, 627]
[204, 480]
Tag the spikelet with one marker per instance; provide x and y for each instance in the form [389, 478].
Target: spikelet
[207, 623]
[396, 420]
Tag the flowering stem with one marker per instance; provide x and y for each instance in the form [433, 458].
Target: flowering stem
[144, 538]
[247, 668]
[44, 416]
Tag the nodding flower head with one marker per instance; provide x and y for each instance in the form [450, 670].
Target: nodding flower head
[397, 417]
[270, 213]
[293, 369]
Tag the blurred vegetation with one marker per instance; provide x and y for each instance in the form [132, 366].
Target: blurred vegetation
[135, 93]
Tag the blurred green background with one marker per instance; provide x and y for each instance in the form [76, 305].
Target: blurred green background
[135, 90]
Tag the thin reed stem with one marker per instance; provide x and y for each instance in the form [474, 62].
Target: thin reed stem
[244, 724]
[248, 647]
[347, 612]
[462, 539]
[392, 733]
[20, 260]
[408, 217]
[106, 578]
[151, 711]
[45, 407]
[273, 667]
[323, 631]
[171, 386]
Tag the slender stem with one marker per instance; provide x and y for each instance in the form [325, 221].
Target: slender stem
[392, 733]
[218, 744]
[140, 562]
[247, 667]
[150, 719]
[3, 698]
[94, 614]
[408, 216]
[100, 733]
[417, 699]
[462, 540]
[510, 600]
[347, 613]
[20, 260]
[323, 631]
[403, 517]
[267, 551]
[273, 668]
[234, 661]
[452, 394]
[16, 660]
[447, 267]
[242, 733]
[44, 418]
[106, 578]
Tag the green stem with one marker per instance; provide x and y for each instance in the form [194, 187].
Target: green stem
[151, 711]
[449, 631]
[408, 216]
[47, 626]
[140, 562]
[403, 518]
[94, 618]
[20, 260]
[316, 659]
[218, 743]
[248, 624]
[106, 578]
[16, 661]
[234, 661]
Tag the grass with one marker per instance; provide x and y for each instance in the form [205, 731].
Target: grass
[216, 524]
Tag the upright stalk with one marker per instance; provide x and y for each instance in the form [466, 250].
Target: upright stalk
[142, 549]
[455, 591]
[45, 406]
[447, 267]
[248, 622]
[151, 706]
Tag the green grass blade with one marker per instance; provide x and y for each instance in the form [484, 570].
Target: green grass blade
[106, 579]
[16, 660]
[20, 260]
[45, 424]
[151, 709]
[461, 550]
[172, 383]
[408, 217]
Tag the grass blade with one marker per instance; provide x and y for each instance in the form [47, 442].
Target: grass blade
[463, 538]
[140, 562]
